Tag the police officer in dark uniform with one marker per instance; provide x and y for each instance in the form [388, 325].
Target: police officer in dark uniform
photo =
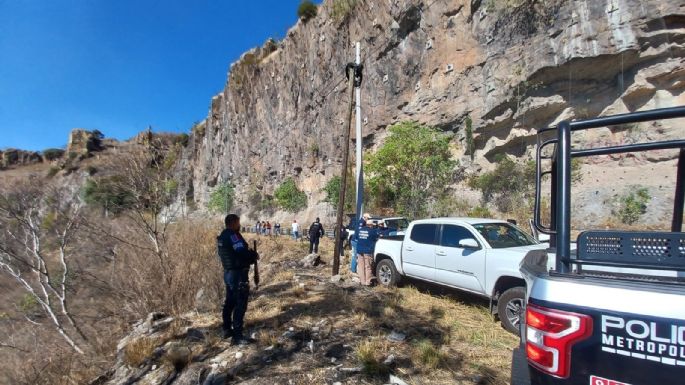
[367, 236]
[236, 258]
[315, 233]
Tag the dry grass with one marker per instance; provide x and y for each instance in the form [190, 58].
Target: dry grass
[427, 355]
[139, 351]
[370, 355]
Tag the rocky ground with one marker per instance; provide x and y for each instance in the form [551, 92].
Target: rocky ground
[311, 328]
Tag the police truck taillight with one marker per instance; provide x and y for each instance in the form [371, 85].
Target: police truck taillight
[550, 336]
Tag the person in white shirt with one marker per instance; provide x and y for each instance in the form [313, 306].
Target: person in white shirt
[296, 230]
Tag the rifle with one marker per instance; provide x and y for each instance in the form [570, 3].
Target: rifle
[256, 265]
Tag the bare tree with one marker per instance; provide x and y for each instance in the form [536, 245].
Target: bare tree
[37, 226]
[145, 188]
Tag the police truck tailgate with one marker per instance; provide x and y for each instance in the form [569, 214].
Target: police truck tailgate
[625, 332]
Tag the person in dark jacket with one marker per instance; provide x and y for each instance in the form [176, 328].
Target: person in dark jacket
[315, 233]
[366, 236]
[236, 258]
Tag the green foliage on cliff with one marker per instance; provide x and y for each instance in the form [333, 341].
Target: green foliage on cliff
[332, 190]
[306, 11]
[511, 185]
[411, 169]
[108, 193]
[53, 153]
[289, 197]
[632, 205]
[221, 198]
[470, 145]
[342, 8]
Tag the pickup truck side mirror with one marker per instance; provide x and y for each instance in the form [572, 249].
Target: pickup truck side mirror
[469, 243]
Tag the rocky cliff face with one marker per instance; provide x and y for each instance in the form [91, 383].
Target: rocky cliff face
[13, 157]
[511, 66]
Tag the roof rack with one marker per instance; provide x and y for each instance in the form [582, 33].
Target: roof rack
[560, 207]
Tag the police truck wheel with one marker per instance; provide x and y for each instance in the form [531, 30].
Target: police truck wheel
[386, 273]
[511, 308]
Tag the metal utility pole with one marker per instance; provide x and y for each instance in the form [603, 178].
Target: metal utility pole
[358, 136]
[353, 73]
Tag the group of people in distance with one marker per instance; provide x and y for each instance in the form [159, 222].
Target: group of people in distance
[237, 257]
[265, 228]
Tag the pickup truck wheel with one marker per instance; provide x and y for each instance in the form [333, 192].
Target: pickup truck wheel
[387, 273]
[511, 307]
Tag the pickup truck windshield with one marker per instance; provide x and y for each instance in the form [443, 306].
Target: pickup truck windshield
[501, 235]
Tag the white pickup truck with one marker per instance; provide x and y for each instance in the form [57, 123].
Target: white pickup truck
[481, 256]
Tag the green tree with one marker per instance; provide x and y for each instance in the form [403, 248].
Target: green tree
[221, 198]
[289, 197]
[412, 168]
[307, 10]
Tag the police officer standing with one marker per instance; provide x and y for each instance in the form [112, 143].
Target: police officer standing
[315, 233]
[366, 241]
[236, 258]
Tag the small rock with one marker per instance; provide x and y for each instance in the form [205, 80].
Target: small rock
[224, 363]
[154, 367]
[396, 380]
[311, 260]
[336, 278]
[390, 360]
[194, 334]
[310, 345]
[396, 336]
[316, 329]
[253, 336]
[356, 369]
[239, 355]
[292, 329]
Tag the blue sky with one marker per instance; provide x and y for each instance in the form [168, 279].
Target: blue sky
[121, 65]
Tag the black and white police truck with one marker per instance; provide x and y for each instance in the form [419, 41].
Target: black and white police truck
[610, 311]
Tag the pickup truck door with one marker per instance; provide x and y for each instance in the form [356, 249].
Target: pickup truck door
[457, 266]
[418, 251]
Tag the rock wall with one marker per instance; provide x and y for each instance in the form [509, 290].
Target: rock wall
[511, 66]
[12, 157]
[83, 142]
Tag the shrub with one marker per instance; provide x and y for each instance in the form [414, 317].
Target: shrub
[51, 154]
[306, 11]
[289, 197]
[332, 190]
[221, 198]
[342, 8]
[632, 205]
[109, 193]
[53, 171]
